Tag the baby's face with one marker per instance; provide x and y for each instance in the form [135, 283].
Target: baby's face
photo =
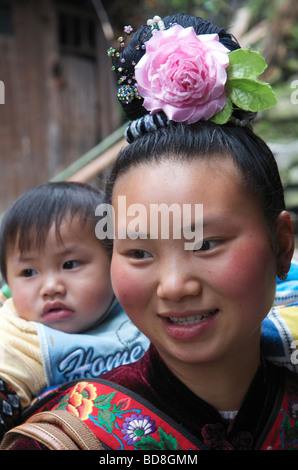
[66, 284]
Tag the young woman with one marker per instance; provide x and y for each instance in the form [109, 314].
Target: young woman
[202, 309]
[201, 305]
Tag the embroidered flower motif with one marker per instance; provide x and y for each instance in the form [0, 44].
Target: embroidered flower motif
[293, 407]
[183, 74]
[137, 426]
[80, 400]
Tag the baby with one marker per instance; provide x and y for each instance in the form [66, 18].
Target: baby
[58, 273]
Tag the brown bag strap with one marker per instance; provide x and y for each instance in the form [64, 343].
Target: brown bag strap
[46, 434]
[57, 430]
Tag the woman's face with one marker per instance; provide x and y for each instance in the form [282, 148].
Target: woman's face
[198, 305]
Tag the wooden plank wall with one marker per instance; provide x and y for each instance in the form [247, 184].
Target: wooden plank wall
[58, 105]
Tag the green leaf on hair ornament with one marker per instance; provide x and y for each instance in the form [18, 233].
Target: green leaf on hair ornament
[245, 63]
[251, 95]
[224, 115]
[243, 88]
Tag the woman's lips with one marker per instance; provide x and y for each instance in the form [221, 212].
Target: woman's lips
[188, 325]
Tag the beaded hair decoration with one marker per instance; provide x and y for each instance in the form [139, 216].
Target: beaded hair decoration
[184, 77]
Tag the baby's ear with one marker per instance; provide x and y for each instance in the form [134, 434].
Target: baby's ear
[285, 242]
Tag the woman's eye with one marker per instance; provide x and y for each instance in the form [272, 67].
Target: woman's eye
[207, 245]
[138, 254]
[71, 264]
[28, 272]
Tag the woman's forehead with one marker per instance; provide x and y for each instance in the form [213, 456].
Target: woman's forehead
[178, 190]
[168, 173]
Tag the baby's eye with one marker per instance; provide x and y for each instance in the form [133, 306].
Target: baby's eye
[28, 272]
[71, 264]
[139, 254]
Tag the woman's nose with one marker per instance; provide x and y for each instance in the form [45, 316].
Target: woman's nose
[177, 282]
[52, 285]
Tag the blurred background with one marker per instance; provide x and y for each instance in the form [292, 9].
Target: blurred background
[61, 118]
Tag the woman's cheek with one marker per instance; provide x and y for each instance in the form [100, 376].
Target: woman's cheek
[244, 272]
[127, 285]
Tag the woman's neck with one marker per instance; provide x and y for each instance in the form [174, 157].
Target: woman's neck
[223, 384]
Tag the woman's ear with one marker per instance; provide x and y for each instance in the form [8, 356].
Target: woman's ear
[285, 243]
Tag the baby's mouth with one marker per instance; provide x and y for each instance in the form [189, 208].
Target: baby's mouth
[54, 311]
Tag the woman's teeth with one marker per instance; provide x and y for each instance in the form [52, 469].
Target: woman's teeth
[191, 319]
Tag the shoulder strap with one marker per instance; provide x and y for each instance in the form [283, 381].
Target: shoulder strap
[56, 430]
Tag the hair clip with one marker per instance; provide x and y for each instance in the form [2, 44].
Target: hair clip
[156, 24]
[121, 40]
[127, 93]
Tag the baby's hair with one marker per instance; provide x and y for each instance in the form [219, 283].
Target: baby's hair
[29, 218]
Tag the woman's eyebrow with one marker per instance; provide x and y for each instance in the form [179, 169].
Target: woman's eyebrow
[208, 221]
[214, 220]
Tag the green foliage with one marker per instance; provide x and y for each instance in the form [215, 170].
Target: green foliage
[166, 442]
[243, 87]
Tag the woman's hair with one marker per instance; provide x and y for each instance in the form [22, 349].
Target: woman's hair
[29, 218]
[204, 139]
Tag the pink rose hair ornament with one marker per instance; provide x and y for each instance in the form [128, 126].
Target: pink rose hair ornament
[171, 72]
[183, 75]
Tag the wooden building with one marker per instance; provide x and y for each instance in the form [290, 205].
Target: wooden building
[60, 98]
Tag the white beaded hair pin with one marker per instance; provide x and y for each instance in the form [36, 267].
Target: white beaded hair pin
[156, 24]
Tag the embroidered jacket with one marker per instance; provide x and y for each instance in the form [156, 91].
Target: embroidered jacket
[124, 420]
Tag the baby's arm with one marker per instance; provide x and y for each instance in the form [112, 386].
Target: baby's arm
[10, 408]
[21, 368]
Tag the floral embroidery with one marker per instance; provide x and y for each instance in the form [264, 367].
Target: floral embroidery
[124, 423]
[289, 427]
[289, 433]
[164, 442]
[293, 407]
[113, 413]
[80, 400]
[136, 427]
